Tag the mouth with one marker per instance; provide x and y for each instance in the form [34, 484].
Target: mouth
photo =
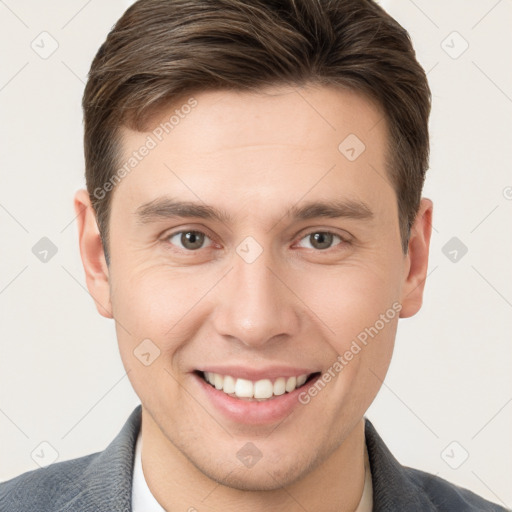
[261, 390]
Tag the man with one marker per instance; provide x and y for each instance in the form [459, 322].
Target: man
[253, 222]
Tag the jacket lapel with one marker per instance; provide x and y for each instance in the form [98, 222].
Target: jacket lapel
[106, 485]
[392, 487]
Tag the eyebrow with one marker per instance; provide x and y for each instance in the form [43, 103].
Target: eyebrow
[167, 208]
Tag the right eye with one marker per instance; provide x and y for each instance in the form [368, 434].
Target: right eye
[190, 240]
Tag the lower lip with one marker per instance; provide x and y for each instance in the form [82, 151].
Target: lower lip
[254, 413]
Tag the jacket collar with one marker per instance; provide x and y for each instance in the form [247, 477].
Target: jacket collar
[106, 483]
[393, 488]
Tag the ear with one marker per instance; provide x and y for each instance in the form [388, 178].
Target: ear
[93, 256]
[416, 261]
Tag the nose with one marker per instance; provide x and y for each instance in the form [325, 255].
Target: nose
[254, 304]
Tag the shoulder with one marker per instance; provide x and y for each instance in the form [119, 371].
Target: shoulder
[398, 487]
[446, 496]
[44, 488]
[99, 481]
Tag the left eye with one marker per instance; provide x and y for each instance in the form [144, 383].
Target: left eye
[321, 240]
[189, 240]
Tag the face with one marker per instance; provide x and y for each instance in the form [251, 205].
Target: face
[256, 246]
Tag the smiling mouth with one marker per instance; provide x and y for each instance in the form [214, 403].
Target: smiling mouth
[260, 390]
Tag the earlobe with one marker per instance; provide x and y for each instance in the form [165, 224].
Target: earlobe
[417, 260]
[92, 254]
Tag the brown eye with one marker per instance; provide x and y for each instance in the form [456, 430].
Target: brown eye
[321, 240]
[189, 240]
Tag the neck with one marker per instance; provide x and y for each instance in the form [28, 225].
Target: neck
[336, 483]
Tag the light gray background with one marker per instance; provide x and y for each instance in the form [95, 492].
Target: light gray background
[62, 381]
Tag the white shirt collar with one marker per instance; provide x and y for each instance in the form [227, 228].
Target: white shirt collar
[142, 498]
[366, 503]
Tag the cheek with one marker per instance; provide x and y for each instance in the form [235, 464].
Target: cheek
[145, 310]
[359, 309]
[153, 302]
[149, 308]
[349, 298]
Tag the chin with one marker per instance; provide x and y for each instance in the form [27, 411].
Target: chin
[266, 475]
[263, 479]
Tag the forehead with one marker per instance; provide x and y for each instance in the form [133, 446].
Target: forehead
[263, 148]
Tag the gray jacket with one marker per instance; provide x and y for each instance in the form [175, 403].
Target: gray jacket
[101, 482]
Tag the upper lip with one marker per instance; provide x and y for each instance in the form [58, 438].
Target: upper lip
[255, 374]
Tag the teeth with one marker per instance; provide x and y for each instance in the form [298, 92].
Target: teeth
[301, 379]
[244, 388]
[280, 386]
[218, 381]
[263, 389]
[229, 384]
[291, 384]
[259, 390]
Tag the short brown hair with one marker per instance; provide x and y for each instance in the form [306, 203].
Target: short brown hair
[160, 50]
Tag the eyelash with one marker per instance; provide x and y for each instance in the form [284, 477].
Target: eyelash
[343, 241]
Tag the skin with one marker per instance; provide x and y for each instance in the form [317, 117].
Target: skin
[255, 156]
